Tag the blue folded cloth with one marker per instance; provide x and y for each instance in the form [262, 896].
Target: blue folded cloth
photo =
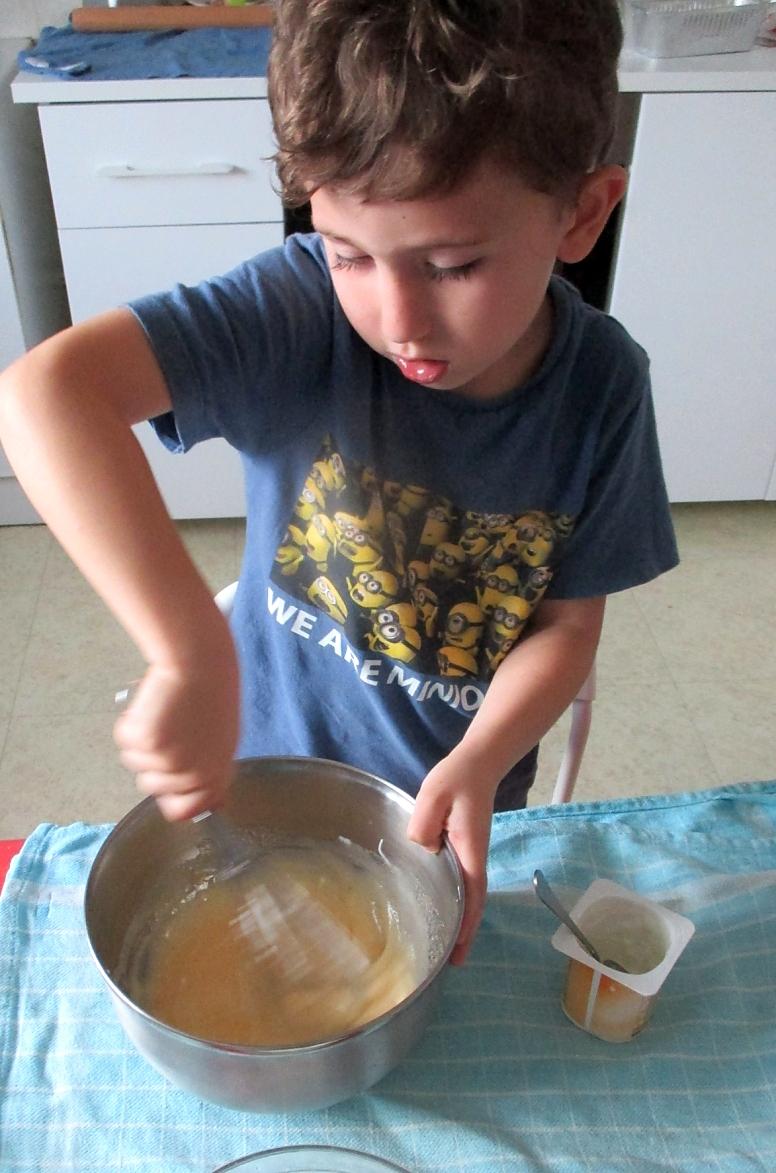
[501, 1079]
[107, 56]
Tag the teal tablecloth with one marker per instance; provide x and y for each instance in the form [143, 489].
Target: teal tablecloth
[501, 1080]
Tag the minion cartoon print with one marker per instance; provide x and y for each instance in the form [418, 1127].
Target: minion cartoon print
[410, 574]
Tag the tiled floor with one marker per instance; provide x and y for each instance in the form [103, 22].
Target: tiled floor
[686, 689]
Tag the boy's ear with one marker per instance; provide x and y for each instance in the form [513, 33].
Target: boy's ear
[600, 192]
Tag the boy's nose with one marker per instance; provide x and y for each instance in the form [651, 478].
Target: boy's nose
[404, 310]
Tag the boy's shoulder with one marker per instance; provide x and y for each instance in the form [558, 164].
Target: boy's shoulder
[288, 283]
[594, 343]
[301, 255]
[294, 270]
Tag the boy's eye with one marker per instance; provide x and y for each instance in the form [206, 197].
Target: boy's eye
[344, 263]
[452, 272]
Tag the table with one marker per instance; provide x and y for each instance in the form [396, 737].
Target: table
[501, 1079]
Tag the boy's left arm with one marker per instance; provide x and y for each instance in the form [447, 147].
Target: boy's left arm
[536, 682]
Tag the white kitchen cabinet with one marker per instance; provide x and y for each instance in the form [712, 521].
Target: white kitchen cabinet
[140, 163]
[695, 282]
[107, 266]
[147, 194]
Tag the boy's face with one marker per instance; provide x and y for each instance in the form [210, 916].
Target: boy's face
[453, 289]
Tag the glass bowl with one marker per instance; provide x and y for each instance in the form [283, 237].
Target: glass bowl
[312, 1159]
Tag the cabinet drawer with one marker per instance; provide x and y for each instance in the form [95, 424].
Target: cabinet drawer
[155, 163]
[107, 266]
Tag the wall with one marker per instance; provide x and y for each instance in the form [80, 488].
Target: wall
[27, 211]
[25, 18]
[34, 284]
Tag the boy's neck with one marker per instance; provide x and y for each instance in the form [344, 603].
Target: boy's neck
[520, 364]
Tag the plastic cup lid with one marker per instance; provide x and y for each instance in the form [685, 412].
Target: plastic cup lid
[678, 932]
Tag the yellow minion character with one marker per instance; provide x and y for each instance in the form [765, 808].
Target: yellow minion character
[411, 499]
[374, 518]
[464, 625]
[532, 540]
[533, 587]
[455, 661]
[496, 584]
[475, 544]
[417, 572]
[447, 562]
[290, 554]
[404, 613]
[372, 522]
[393, 639]
[323, 475]
[311, 500]
[496, 654]
[564, 523]
[506, 623]
[510, 615]
[472, 519]
[373, 588]
[436, 526]
[426, 602]
[321, 540]
[398, 536]
[347, 521]
[355, 543]
[497, 524]
[323, 593]
[337, 472]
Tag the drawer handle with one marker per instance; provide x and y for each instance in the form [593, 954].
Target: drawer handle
[130, 171]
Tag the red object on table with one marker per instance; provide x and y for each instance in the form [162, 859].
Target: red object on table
[8, 849]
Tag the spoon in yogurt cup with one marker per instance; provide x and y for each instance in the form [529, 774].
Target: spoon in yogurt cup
[550, 900]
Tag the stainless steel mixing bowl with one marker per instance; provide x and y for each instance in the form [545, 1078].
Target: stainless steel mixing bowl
[305, 797]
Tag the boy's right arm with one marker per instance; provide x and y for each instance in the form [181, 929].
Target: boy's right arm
[66, 415]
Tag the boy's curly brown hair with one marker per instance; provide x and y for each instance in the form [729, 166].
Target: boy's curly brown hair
[396, 99]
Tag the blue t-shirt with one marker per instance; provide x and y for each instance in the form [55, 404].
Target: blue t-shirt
[399, 537]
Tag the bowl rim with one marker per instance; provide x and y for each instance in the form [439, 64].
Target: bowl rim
[312, 1149]
[318, 1045]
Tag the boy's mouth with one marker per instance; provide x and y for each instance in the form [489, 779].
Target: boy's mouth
[422, 370]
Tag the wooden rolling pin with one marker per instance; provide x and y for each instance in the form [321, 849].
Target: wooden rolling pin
[175, 16]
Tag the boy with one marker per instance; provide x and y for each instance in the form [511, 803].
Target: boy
[450, 460]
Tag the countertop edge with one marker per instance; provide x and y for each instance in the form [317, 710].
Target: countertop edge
[755, 70]
[27, 87]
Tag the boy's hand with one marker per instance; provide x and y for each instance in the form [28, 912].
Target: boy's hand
[451, 799]
[529, 691]
[178, 736]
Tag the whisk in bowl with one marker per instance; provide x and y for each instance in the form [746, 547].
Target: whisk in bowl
[287, 928]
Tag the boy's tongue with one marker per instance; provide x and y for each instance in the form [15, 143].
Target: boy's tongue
[422, 370]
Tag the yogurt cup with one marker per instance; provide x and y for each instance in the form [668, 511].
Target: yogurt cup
[642, 936]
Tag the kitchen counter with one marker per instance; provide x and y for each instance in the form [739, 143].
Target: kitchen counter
[717, 72]
[755, 70]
